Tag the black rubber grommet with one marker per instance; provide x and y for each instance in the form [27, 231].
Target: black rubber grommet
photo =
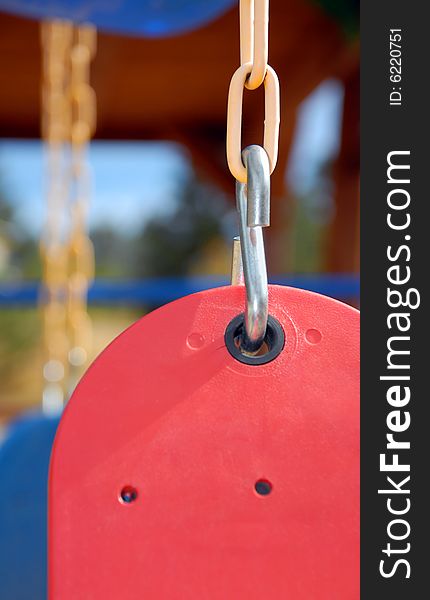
[274, 338]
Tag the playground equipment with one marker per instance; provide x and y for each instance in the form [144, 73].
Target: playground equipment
[187, 473]
[194, 460]
[160, 290]
[24, 462]
[68, 121]
[136, 17]
[212, 450]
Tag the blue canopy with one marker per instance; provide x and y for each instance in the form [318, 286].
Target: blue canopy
[149, 18]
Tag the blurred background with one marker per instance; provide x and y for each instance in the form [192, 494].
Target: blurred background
[138, 208]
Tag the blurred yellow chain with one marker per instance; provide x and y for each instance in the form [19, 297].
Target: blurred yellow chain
[254, 71]
[81, 254]
[68, 121]
[56, 40]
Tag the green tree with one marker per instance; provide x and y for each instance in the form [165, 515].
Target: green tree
[171, 243]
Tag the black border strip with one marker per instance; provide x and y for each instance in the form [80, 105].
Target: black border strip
[386, 128]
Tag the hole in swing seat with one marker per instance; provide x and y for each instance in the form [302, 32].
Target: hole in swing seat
[128, 494]
[263, 487]
[272, 346]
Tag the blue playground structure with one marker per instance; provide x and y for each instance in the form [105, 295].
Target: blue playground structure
[135, 17]
[157, 291]
[24, 462]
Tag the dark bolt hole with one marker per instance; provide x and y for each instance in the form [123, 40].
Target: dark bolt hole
[272, 346]
[263, 487]
[128, 494]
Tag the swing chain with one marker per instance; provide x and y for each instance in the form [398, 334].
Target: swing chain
[56, 38]
[254, 29]
[81, 253]
[252, 72]
[68, 121]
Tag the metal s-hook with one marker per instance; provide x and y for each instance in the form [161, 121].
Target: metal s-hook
[253, 204]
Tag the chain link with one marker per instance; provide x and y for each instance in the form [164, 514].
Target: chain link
[68, 121]
[254, 31]
[253, 71]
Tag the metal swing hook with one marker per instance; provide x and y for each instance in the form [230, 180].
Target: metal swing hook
[253, 204]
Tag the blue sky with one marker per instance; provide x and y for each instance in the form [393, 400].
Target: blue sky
[134, 180]
[131, 180]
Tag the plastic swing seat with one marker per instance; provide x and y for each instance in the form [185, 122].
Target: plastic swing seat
[180, 472]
